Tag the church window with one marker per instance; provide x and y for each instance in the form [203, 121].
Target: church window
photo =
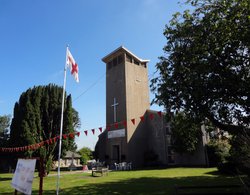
[114, 61]
[168, 131]
[109, 65]
[144, 64]
[120, 59]
[169, 139]
[170, 150]
[136, 62]
[128, 58]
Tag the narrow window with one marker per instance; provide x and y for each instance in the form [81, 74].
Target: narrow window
[168, 132]
[114, 61]
[109, 65]
[136, 62]
[120, 59]
[144, 64]
[128, 58]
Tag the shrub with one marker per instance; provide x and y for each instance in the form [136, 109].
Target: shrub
[218, 152]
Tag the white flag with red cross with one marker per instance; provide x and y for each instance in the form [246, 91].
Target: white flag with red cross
[72, 65]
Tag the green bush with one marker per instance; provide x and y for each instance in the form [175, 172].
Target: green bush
[240, 152]
[218, 152]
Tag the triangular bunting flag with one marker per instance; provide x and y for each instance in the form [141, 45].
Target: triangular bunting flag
[125, 123]
[151, 116]
[78, 134]
[116, 125]
[93, 131]
[108, 127]
[71, 135]
[159, 113]
[64, 136]
[100, 128]
[86, 132]
[142, 118]
[133, 121]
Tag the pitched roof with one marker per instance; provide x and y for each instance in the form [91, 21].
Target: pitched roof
[122, 48]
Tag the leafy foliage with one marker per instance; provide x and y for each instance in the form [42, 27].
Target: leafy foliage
[86, 154]
[240, 152]
[37, 117]
[205, 70]
[186, 134]
[4, 129]
[218, 152]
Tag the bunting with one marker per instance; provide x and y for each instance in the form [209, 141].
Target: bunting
[40, 144]
[125, 124]
[100, 128]
[116, 125]
[53, 140]
[133, 121]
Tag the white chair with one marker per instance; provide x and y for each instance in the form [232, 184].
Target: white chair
[117, 167]
[123, 166]
[129, 166]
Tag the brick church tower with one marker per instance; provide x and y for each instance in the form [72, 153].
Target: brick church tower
[127, 97]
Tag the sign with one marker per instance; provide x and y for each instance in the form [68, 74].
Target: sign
[116, 133]
[23, 176]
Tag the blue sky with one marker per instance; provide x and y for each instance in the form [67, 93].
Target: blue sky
[34, 35]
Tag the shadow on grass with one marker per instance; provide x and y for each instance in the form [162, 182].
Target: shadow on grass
[144, 185]
[5, 178]
[216, 173]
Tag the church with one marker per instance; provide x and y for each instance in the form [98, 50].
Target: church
[134, 133]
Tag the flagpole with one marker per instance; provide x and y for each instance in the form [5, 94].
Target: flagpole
[61, 125]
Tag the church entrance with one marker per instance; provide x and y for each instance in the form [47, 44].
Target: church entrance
[116, 153]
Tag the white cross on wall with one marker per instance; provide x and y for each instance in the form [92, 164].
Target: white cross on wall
[114, 105]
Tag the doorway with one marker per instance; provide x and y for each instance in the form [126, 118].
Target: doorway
[116, 153]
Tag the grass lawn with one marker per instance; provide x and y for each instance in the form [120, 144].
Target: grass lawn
[160, 181]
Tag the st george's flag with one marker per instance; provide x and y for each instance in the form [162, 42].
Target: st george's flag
[72, 65]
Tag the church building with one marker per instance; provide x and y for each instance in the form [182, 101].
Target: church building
[134, 133]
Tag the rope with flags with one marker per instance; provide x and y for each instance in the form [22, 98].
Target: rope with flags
[86, 133]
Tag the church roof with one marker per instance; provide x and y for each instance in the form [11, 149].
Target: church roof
[119, 49]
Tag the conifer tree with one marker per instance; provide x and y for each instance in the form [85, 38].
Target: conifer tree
[37, 117]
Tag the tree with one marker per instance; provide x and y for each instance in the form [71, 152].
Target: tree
[185, 134]
[76, 119]
[205, 71]
[86, 154]
[4, 129]
[240, 152]
[37, 117]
